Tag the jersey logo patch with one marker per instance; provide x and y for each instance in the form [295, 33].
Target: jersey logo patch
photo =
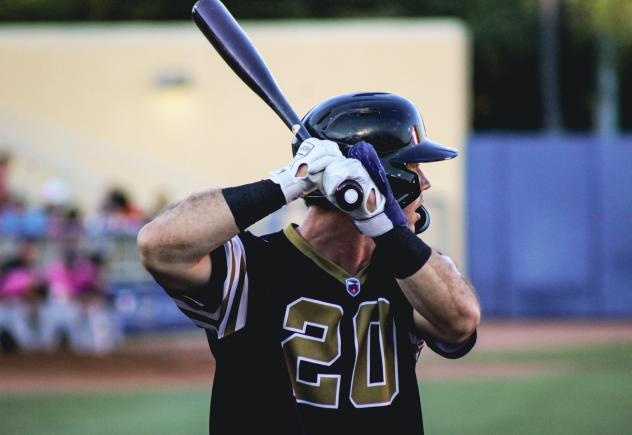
[353, 286]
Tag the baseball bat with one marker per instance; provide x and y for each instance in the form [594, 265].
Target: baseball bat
[234, 46]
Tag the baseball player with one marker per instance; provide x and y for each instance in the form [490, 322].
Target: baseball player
[316, 329]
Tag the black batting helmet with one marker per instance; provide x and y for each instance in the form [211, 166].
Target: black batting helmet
[391, 124]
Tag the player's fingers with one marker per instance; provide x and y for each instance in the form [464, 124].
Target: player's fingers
[319, 164]
[302, 170]
[342, 170]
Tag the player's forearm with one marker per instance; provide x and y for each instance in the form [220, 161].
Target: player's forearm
[432, 284]
[174, 247]
[184, 234]
[443, 298]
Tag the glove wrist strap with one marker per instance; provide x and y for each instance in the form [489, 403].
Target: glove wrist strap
[374, 226]
[288, 183]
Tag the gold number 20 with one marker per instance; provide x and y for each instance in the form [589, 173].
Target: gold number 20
[374, 334]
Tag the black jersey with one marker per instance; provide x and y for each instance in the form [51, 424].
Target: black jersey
[302, 347]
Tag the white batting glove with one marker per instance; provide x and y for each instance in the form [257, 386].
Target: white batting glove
[316, 155]
[370, 222]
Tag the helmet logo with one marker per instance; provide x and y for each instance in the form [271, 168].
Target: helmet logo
[353, 286]
[415, 135]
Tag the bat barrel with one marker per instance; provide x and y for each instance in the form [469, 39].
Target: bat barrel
[238, 51]
[233, 45]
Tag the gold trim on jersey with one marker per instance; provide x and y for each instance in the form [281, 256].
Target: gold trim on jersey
[231, 313]
[308, 250]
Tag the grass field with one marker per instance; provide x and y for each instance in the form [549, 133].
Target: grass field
[592, 395]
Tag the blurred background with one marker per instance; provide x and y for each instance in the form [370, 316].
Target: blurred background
[110, 111]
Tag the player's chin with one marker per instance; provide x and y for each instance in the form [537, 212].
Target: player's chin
[412, 217]
[411, 212]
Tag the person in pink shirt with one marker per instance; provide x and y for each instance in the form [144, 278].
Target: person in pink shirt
[77, 307]
[19, 288]
[61, 316]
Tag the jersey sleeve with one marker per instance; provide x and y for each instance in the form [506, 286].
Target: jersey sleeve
[452, 351]
[221, 306]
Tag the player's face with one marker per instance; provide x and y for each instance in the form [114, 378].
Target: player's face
[424, 184]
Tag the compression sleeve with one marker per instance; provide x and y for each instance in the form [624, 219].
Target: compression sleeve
[252, 202]
[405, 253]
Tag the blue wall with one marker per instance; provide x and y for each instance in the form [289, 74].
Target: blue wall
[550, 224]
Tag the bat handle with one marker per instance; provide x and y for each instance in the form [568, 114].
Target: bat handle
[298, 129]
[349, 195]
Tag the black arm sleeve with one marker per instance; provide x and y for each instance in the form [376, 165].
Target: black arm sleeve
[403, 252]
[252, 202]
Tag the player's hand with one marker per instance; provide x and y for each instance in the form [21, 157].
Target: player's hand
[369, 217]
[366, 154]
[379, 211]
[304, 174]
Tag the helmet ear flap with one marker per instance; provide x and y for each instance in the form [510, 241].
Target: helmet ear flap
[424, 222]
[405, 186]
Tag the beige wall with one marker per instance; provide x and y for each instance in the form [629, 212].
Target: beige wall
[83, 104]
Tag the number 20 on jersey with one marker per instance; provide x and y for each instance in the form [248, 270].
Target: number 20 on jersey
[373, 326]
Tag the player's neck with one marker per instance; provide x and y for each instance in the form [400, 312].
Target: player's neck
[333, 236]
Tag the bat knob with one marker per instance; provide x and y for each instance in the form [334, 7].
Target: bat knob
[349, 195]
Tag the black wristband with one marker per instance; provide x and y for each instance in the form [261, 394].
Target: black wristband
[252, 202]
[404, 252]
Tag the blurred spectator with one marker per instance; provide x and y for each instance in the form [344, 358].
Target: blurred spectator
[63, 219]
[11, 216]
[21, 221]
[60, 315]
[103, 327]
[64, 224]
[77, 308]
[118, 215]
[20, 290]
[34, 222]
[55, 193]
[52, 292]
[5, 161]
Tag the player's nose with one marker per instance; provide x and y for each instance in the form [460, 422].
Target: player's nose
[424, 183]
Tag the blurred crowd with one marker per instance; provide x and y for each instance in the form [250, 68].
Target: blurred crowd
[53, 287]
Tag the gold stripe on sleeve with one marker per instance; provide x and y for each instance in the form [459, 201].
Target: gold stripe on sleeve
[232, 317]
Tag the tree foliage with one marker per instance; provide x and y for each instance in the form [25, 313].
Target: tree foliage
[610, 16]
